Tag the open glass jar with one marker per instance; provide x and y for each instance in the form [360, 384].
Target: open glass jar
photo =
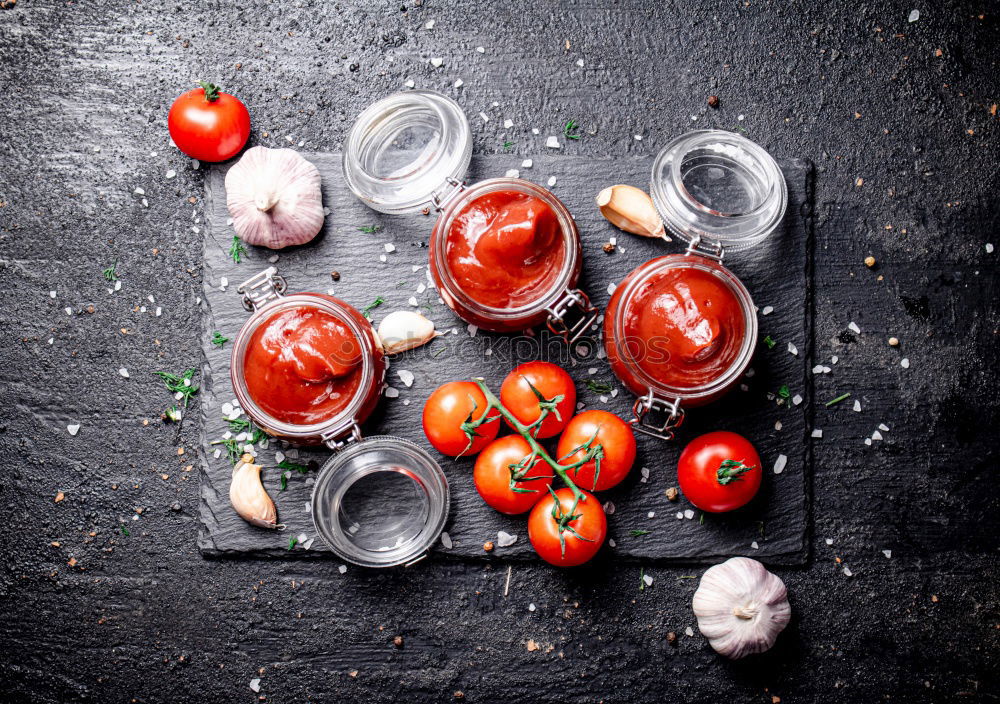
[309, 369]
[681, 329]
[505, 253]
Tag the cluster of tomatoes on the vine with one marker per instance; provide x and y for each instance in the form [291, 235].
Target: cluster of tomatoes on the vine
[717, 472]
[515, 474]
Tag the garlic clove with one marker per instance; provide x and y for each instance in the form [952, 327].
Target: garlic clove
[274, 198]
[248, 496]
[632, 210]
[405, 330]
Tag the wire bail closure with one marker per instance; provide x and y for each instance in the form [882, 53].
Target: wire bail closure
[705, 248]
[652, 403]
[262, 288]
[557, 312]
[340, 437]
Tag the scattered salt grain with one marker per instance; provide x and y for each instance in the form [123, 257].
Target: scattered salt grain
[847, 571]
[534, 130]
[834, 359]
[342, 569]
[883, 427]
[792, 349]
[777, 425]
[436, 62]
[446, 540]
[391, 392]
[552, 143]
[688, 631]
[638, 137]
[853, 327]
[651, 514]
[526, 164]
[508, 123]
[857, 406]
[888, 554]
[989, 248]
[73, 428]
[409, 83]
[868, 441]
[818, 369]
[611, 542]
[255, 684]
[459, 83]
[486, 118]
[195, 164]
[430, 24]
[159, 311]
[680, 515]
[481, 50]
[171, 173]
[406, 377]
[905, 363]
[69, 311]
[754, 545]
[647, 580]
[876, 435]
[688, 514]
[389, 247]
[579, 62]
[551, 181]
[223, 282]
[828, 541]
[382, 258]
[472, 329]
[767, 310]
[512, 173]
[914, 15]
[611, 289]
[124, 372]
[796, 399]
[505, 539]
[779, 464]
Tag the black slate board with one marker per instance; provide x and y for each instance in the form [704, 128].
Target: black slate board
[777, 273]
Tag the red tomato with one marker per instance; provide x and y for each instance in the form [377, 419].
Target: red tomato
[551, 381]
[492, 475]
[447, 408]
[209, 125]
[719, 471]
[615, 438]
[590, 526]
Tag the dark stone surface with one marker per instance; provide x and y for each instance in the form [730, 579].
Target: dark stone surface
[777, 268]
[852, 87]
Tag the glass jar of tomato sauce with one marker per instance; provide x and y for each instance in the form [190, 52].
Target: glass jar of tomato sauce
[309, 369]
[505, 253]
[680, 330]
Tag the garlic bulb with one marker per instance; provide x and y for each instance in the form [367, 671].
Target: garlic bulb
[248, 496]
[274, 198]
[404, 330]
[630, 209]
[741, 607]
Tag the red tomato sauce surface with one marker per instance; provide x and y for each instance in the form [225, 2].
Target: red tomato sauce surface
[505, 249]
[685, 326]
[303, 366]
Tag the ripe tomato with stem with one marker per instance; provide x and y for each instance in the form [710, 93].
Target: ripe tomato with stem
[510, 476]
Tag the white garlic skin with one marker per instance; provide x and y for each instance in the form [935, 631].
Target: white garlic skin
[274, 198]
[248, 496]
[404, 330]
[741, 607]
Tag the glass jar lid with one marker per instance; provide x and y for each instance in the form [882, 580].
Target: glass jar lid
[717, 189]
[380, 502]
[404, 152]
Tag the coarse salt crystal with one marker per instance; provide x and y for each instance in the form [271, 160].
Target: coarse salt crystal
[876, 435]
[481, 50]
[124, 372]
[905, 363]
[688, 514]
[486, 118]
[552, 142]
[342, 569]
[255, 684]
[793, 349]
[535, 130]
[409, 83]
[52, 294]
[512, 173]
[767, 310]
[552, 181]
[611, 542]
[847, 571]
[754, 545]
[459, 83]
[834, 359]
[73, 428]
[611, 288]
[647, 580]
[796, 399]
[651, 514]
[223, 282]
[382, 258]
[688, 631]
[883, 427]
[914, 15]
[777, 425]
[853, 327]
[817, 433]
[857, 406]
[526, 164]
[505, 539]
[508, 123]
[638, 137]
[391, 392]
[171, 173]
[69, 311]
[472, 329]
[159, 311]
[406, 377]
[680, 515]
[989, 248]
[389, 247]
[579, 62]
[139, 191]
[828, 541]
[436, 62]
[430, 24]
[868, 441]
[887, 553]
[779, 464]
[818, 369]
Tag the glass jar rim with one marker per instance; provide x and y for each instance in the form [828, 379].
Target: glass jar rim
[336, 426]
[567, 227]
[334, 483]
[691, 220]
[738, 366]
[424, 184]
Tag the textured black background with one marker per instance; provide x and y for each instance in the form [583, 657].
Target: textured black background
[852, 86]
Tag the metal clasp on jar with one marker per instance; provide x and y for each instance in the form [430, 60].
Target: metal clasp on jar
[341, 436]
[455, 187]
[262, 288]
[705, 248]
[644, 405]
[558, 310]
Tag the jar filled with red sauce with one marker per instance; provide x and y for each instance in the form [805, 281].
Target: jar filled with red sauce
[505, 253]
[680, 330]
[308, 367]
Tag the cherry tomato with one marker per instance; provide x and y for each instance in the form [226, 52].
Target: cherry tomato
[616, 440]
[207, 124]
[492, 475]
[719, 471]
[550, 381]
[581, 543]
[447, 408]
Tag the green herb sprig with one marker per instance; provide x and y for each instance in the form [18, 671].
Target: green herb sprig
[111, 273]
[571, 130]
[372, 306]
[180, 383]
[835, 401]
[370, 229]
[769, 341]
[236, 249]
[638, 533]
[219, 339]
[600, 387]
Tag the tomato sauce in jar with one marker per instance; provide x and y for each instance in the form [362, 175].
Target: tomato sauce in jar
[303, 366]
[505, 249]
